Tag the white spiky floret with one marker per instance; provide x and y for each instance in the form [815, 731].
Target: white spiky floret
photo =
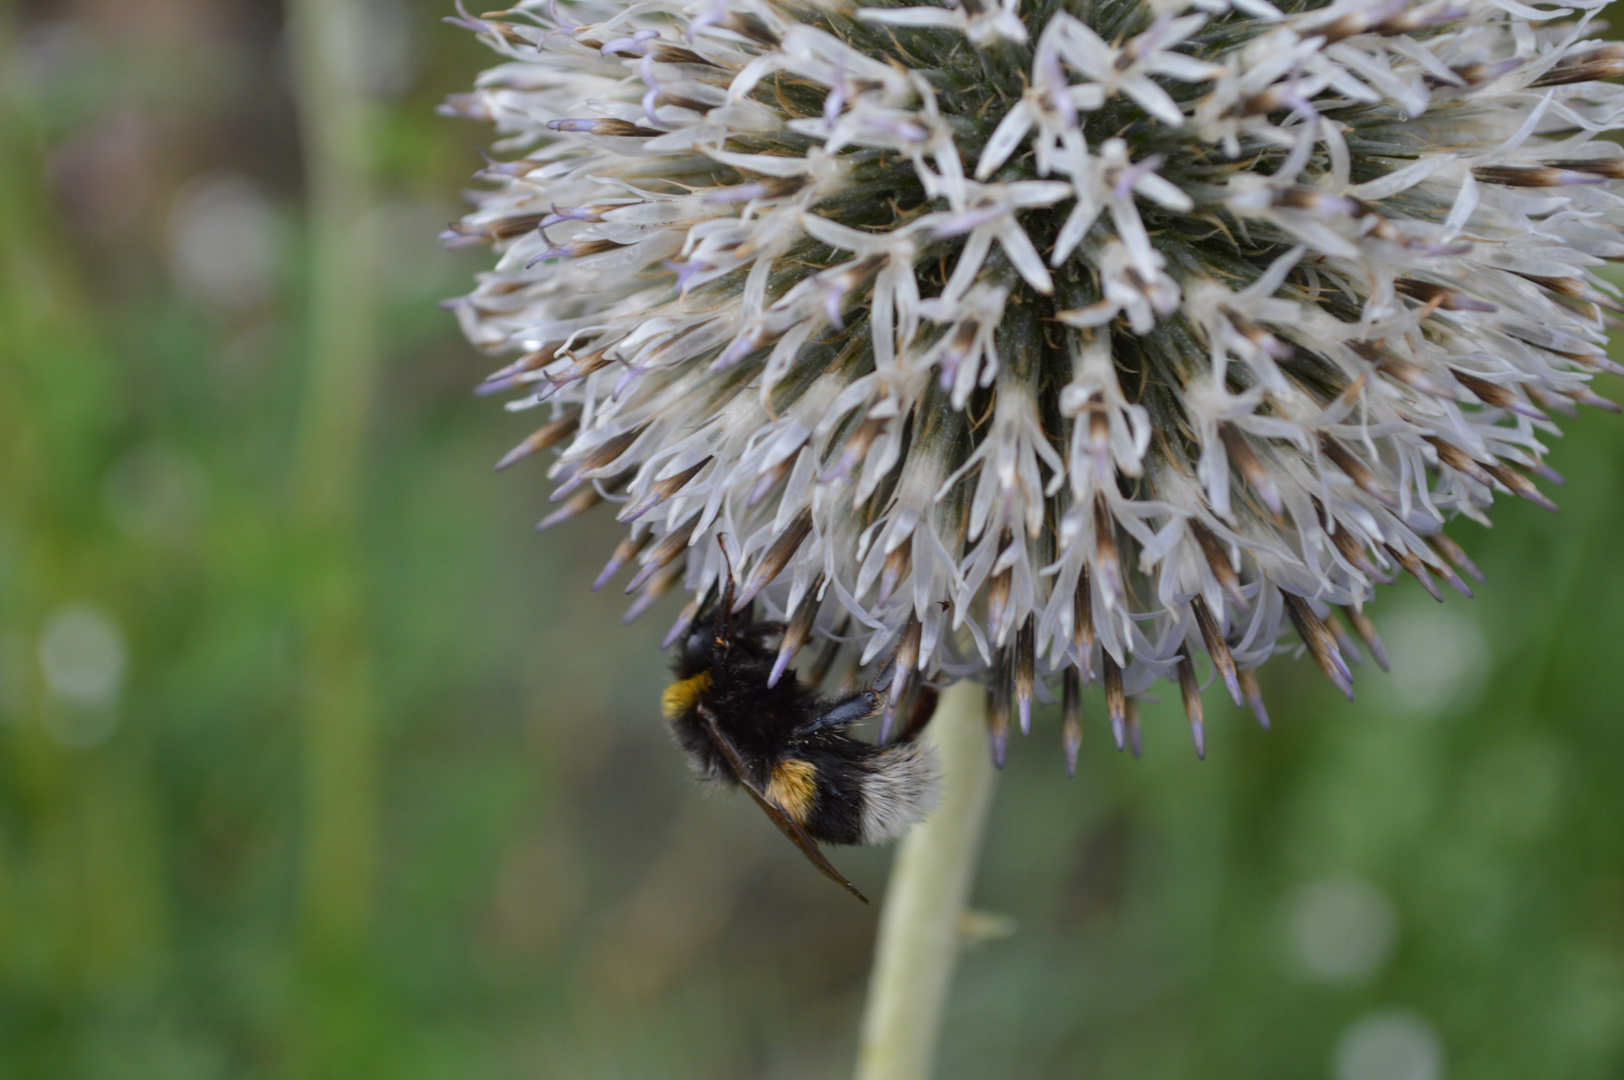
[1043, 342]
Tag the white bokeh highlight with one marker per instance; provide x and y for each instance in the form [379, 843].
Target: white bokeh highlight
[223, 239]
[1439, 658]
[1340, 928]
[1394, 1044]
[83, 659]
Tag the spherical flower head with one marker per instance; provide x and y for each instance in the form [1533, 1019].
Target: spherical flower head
[1046, 343]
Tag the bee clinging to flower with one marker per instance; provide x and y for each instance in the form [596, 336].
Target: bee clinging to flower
[1041, 342]
[743, 723]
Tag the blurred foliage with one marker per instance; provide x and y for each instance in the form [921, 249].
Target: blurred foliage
[1440, 866]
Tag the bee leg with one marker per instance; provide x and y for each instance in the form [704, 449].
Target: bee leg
[786, 824]
[924, 708]
[883, 679]
[842, 713]
[724, 614]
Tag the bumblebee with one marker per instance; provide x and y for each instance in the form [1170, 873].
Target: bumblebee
[788, 747]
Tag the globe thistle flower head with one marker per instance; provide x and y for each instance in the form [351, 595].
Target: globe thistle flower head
[1046, 343]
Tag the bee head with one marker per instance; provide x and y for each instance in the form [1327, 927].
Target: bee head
[699, 645]
[715, 641]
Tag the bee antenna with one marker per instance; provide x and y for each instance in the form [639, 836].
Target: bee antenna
[724, 623]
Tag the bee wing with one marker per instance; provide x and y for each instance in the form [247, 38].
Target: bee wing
[786, 824]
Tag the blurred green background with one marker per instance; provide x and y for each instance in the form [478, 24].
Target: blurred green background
[316, 762]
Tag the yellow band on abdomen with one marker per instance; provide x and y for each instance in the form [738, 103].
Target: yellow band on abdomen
[793, 785]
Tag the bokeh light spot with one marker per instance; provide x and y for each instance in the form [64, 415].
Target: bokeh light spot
[222, 242]
[1394, 1044]
[82, 656]
[1341, 928]
[1439, 658]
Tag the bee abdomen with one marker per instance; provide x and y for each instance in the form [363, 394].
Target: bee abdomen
[898, 791]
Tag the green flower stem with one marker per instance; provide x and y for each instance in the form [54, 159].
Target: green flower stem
[930, 885]
[340, 725]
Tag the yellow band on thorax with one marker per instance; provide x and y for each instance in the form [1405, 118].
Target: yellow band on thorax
[680, 696]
